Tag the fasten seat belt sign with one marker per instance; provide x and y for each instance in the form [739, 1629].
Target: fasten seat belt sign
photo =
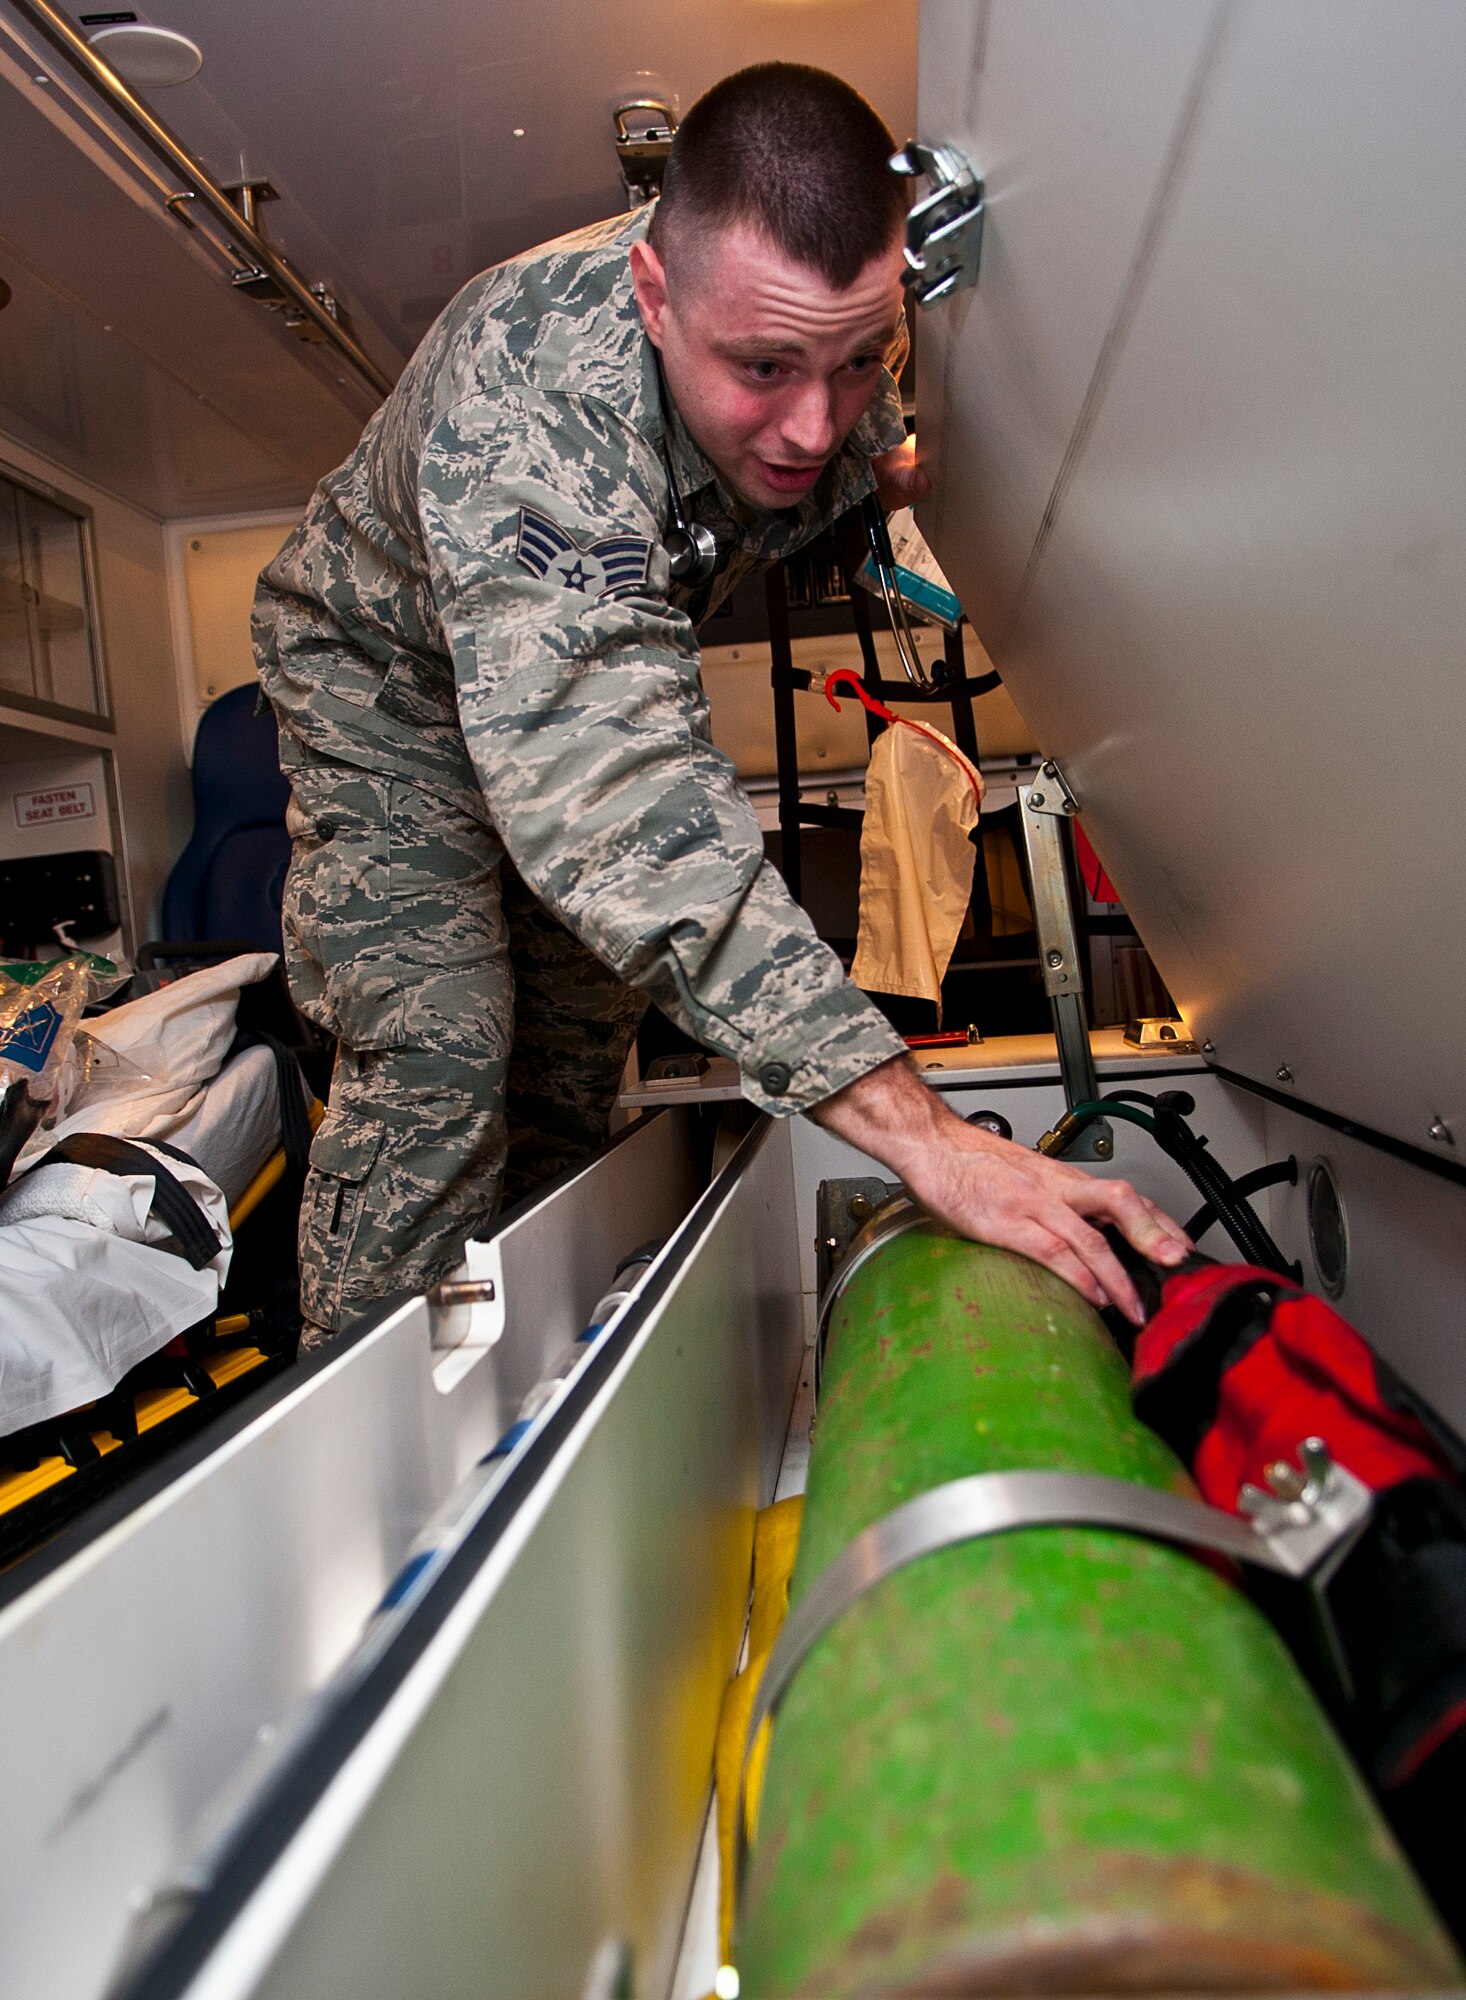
[55, 803]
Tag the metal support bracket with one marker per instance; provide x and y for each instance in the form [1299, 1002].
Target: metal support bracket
[1042, 806]
[1051, 794]
[247, 195]
[944, 229]
[842, 1209]
[1304, 1537]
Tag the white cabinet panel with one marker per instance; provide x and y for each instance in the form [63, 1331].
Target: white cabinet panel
[1242, 631]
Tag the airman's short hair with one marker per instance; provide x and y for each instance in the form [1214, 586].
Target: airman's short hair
[793, 152]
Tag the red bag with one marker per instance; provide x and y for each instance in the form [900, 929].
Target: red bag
[1234, 1370]
[1239, 1366]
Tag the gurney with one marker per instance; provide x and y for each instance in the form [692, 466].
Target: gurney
[114, 1326]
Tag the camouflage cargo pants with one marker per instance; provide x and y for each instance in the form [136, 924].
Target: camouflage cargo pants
[480, 1046]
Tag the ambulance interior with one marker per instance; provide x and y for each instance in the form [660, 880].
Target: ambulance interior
[404, 1667]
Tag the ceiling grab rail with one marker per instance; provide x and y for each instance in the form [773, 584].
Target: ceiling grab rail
[95, 70]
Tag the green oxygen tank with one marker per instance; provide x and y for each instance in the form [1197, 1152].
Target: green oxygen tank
[1059, 1760]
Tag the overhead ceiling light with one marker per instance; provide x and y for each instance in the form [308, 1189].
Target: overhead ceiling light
[148, 58]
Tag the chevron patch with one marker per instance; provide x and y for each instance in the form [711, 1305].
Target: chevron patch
[615, 566]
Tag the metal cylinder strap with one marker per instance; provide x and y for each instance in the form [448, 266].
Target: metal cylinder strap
[1314, 1539]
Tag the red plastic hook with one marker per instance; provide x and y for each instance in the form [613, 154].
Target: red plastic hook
[857, 687]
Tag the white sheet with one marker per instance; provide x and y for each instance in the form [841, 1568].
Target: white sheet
[115, 1204]
[85, 1294]
[233, 1127]
[78, 1308]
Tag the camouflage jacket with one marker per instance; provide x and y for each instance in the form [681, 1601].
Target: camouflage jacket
[479, 600]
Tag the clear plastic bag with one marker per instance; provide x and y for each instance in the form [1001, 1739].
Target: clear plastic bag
[43, 1059]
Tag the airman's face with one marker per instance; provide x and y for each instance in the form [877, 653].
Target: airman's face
[770, 367]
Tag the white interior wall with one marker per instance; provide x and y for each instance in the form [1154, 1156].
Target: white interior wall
[213, 565]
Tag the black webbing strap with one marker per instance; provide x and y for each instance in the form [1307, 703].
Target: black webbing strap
[295, 1131]
[786, 745]
[172, 1203]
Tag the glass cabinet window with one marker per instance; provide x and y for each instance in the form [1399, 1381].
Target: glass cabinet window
[48, 650]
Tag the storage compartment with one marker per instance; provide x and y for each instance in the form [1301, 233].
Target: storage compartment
[154, 1657]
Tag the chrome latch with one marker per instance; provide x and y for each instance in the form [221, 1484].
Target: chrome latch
[645, 129]
[944, 229]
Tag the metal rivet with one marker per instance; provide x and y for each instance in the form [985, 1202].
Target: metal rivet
[859, 1206]
[1103, 1146]
[462, 1292]
[1035, 800]
[1283, 1073]
[1208, 1048]
[1441, 1132]
[1056, 959]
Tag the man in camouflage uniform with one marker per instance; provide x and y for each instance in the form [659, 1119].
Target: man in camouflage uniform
[510, 822]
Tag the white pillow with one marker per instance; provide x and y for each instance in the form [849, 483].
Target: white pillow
[170, 1043]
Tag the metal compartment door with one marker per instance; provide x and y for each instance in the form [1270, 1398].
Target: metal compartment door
[513, 1793]
[1202, 488]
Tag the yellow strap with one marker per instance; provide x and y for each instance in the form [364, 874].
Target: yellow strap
[775, 1546]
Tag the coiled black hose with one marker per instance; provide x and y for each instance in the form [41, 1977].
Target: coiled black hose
[1282, 1173]
[1163, 1117]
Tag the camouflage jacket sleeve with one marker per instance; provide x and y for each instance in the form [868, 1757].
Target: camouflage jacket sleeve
[584, 715]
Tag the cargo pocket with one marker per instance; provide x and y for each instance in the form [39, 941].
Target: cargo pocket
[336, 1222]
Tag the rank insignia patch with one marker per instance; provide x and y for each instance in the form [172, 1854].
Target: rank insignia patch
[612, 567]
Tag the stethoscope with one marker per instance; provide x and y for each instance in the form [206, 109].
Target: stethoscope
[883, 561]
[692, 549]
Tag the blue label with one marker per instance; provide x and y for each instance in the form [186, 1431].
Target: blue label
[510, 1438]
[919, 591]
[407, 1576]
[28, 1042]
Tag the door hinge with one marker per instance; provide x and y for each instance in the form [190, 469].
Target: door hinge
[944, 228]
[1050, 793]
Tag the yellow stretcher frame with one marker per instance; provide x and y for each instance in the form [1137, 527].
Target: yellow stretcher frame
[153, 1407]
